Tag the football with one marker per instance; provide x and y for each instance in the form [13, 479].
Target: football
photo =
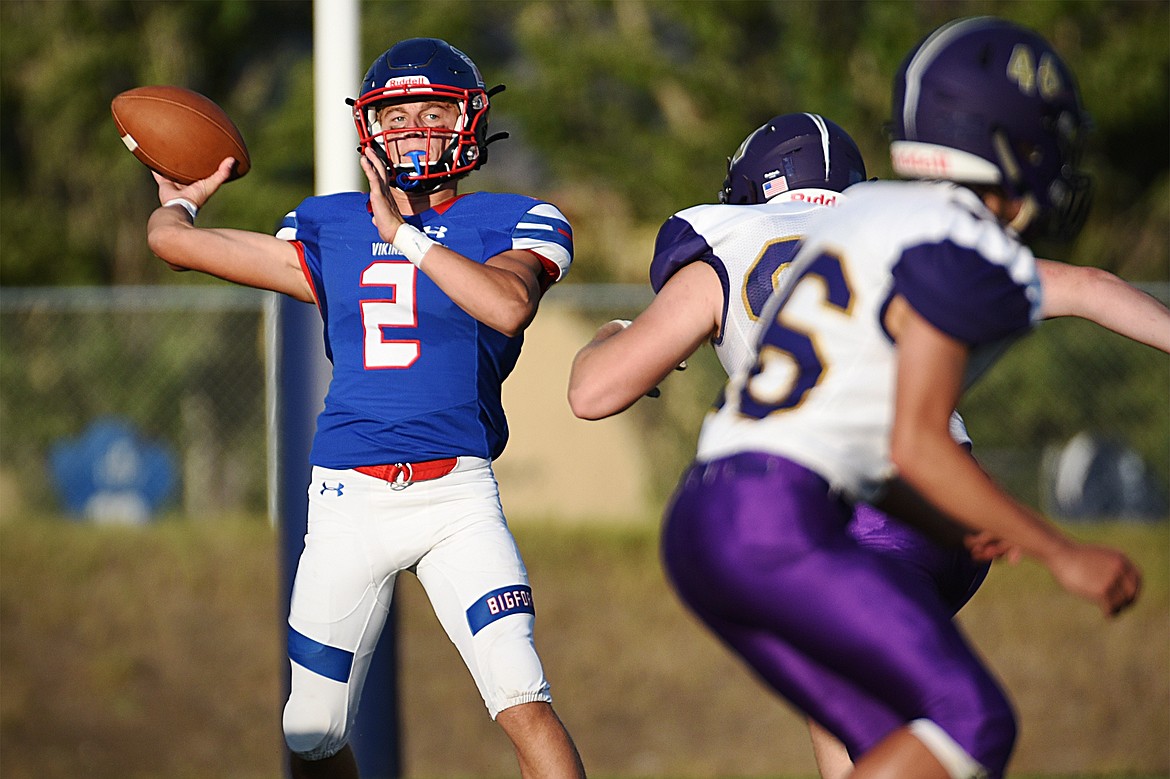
[178, 133]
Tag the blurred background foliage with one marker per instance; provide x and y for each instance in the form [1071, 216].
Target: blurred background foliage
[620, 112]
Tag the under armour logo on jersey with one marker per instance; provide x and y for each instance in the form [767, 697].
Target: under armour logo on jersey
[325, 487]
[436, 232]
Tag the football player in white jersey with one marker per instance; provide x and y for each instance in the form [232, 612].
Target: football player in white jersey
[713, 267]
[864, 352]
[712, 297]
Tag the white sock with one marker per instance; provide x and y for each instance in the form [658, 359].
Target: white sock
[954, 758]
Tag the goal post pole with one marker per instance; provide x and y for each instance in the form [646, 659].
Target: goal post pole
[302, 374]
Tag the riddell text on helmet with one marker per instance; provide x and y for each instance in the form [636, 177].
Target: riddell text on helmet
[408, 81]
[921, 162]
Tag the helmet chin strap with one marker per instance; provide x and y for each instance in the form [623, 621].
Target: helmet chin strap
[1026, 215]
[1029, 208]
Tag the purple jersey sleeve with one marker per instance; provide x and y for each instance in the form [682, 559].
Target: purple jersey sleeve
[962, 293]
[676, 246]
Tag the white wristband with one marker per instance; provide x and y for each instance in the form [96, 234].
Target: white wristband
[187, 205]
[412, 242]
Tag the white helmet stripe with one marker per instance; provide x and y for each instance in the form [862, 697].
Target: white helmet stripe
[923, 59]
[823, 129]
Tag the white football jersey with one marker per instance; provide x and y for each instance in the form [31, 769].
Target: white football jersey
[750, 247]
[821, 389]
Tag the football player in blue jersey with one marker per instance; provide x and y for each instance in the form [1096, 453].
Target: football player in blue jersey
[425, 295]
[714, 265]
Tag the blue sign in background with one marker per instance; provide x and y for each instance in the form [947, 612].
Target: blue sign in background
[110, 473]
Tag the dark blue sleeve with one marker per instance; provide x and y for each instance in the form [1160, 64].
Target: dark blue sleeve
[962, 293]
[677, 245]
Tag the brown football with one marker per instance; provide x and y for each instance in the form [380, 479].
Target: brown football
[179, 133]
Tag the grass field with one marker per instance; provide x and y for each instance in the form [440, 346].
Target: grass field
[156, 653]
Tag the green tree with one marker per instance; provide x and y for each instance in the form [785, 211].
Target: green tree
[74, 202]
[623, 110]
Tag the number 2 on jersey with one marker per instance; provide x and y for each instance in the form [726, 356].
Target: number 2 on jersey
[398, 310]
[789, 363]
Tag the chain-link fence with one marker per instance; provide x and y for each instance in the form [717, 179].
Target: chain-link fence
[116, 401]
[1076, 420]
[119, 400]
[1073, 419]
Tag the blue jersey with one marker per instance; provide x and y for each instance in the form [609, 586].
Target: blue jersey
[414, 376]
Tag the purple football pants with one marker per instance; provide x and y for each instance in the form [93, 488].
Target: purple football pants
[856, 638]
[950, 573]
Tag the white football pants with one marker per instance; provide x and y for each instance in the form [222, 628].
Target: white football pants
[362, 532]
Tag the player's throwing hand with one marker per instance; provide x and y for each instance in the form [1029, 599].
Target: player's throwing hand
[197, 192]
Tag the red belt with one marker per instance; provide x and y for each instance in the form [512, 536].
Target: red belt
[406, 473]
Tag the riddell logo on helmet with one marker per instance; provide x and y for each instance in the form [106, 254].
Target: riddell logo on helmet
[408, 81]
[921, 163]
[819, 199]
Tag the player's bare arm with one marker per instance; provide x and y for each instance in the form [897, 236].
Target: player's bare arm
[929, 383]
[1101, 297]
[503, 292]
[621, 364]
[930, 373]
[241, 256]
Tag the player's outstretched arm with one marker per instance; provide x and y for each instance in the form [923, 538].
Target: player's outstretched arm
[621, 364]
[931, 367]
[241, 256]
[1100, 296]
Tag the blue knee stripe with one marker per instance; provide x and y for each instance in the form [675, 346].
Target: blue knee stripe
[498, 604]
[328, 661]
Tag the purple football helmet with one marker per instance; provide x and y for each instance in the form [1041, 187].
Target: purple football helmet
[985, 101]
[791, 151]
[421, 69]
